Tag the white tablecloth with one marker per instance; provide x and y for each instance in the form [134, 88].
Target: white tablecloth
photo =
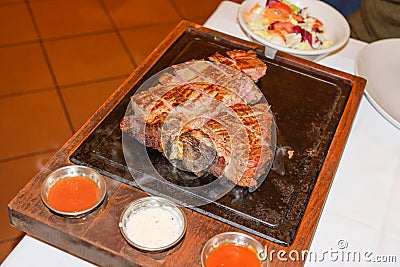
[360, 223]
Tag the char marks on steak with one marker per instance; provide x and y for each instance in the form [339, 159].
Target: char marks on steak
[248, 62]
[242, 147]
[179, 104]
[219, 74]
[205, 118]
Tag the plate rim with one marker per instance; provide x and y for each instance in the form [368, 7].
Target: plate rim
[381, 110]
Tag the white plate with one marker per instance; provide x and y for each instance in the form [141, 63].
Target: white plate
[336, 27]
[379, 63]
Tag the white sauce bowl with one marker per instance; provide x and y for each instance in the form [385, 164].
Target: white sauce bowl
[153, 224]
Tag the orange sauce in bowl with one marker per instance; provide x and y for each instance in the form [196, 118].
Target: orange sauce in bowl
[232, 255]
[74, 194]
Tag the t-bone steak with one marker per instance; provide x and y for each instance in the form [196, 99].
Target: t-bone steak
[206, 117]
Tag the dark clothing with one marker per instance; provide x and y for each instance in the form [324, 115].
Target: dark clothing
[376, 19]
[346, 7]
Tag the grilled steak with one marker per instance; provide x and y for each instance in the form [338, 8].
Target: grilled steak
[179, 104]
[214, 73]
[248, 62]
[234, 144]
[205, 117]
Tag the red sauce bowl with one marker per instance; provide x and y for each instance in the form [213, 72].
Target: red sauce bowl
[233, 249]
[73, 191]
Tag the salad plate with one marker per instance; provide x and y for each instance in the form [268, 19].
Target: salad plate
[332, 33]
[379, 63]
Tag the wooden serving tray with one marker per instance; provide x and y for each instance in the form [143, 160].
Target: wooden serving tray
[314, 107]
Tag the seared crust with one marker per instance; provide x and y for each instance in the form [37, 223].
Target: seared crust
[204, 126]
[248, 62]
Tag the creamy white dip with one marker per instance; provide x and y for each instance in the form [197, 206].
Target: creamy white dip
[154, 227]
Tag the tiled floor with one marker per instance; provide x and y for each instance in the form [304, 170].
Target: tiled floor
[59, 61]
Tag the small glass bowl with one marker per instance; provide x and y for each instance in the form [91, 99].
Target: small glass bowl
[68, 172]
[156, 209]
[233, 238]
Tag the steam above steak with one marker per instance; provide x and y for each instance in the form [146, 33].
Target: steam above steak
[206, 117]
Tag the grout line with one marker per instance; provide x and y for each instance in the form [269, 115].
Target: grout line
[118, 34]
[53, 76]
[86, 34]
[124, 76]
[18, 238]
[27, 92]
[6, 45]
[149, 25]
[176, 9]
[78, 35]
[65, 86]
[27, 155]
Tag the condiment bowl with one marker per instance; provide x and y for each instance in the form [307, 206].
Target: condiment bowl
[153, 224]
[71, 172]
[336, 28]
[235, 238]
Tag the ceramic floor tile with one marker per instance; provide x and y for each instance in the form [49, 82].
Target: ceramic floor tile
[32, 123]
[140, 47]
[6, 247]
[77, 17]
[16, 24]
[13, 177]
[95, 94]
[5, 2]
[128, 13]
[196, 9]
[23, 68]
[88, 58]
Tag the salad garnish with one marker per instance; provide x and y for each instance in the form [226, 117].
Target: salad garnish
[288, 25]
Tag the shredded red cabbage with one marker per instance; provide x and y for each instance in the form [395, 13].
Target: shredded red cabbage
[297, 29]
[317, 30]
[305, 35]
[271, 2]
[317, 40]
